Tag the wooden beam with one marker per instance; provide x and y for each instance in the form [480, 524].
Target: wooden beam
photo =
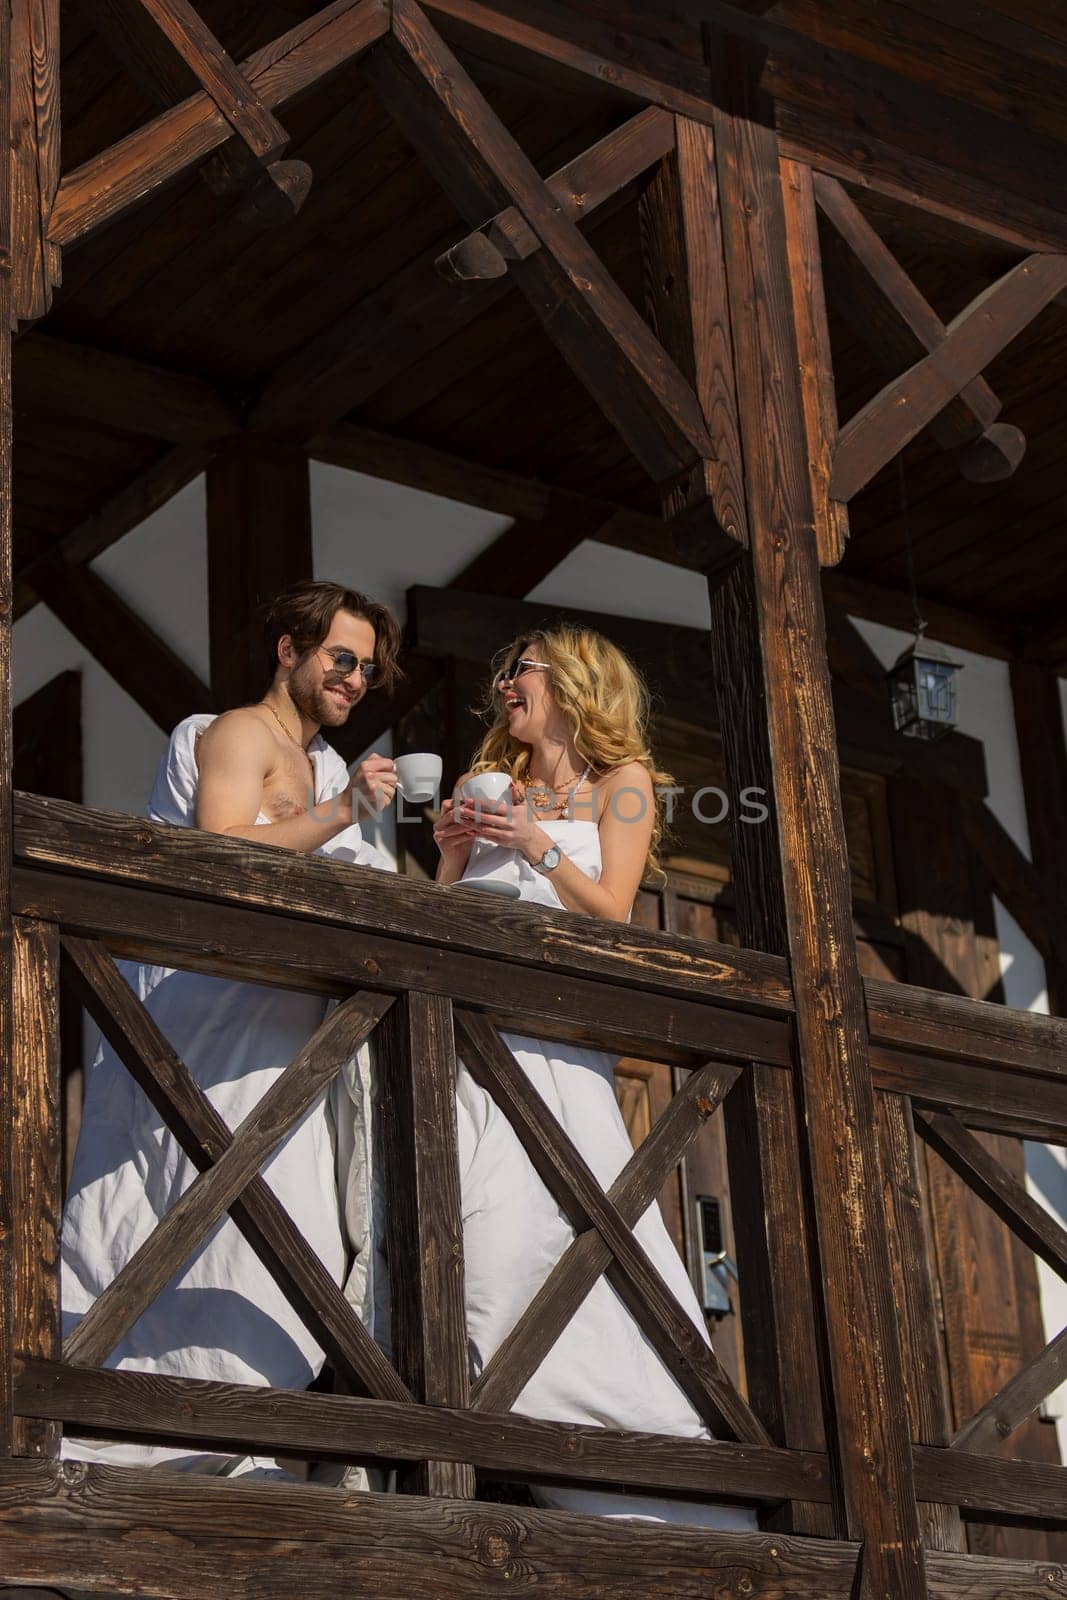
[57, 376]
[904, 407]
[428, 1324]
[371, 343]
[1027, 891]
[1020, 1397]
[149, 671]
[7, 1088]
[350, 1428]
[786, 709]
[275, 191]
[918, 145]
[258, 544]
[950, 624]
[584, 312]
[37, 1184]
[900, 327]
[137, 166]
[119, 516]
[33, 151]
[1043, 763]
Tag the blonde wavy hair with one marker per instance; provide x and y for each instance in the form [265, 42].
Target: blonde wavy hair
[604, 700]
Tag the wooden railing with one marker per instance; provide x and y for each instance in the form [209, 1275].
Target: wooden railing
[429, 972]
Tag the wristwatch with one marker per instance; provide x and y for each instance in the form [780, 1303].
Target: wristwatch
[550, 860]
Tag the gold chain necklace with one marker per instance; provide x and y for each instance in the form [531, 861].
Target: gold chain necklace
[289, 734]
[553, 791]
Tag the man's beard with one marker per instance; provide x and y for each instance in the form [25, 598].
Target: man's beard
[313, 701]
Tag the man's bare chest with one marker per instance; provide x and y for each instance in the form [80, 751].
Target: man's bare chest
[289, 788]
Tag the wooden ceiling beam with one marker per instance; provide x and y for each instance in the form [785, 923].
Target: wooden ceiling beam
[383, 334]
[275, 190]
[55, 375]
[137, 166]
[149, 671]
[841, 114]
[895, 608]
[478, 163]
[121, 514]
[904, 407]
[900, 327]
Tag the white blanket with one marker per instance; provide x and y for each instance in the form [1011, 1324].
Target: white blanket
[222, 1316]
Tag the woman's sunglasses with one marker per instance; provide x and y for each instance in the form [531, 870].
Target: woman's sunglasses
[516, 670]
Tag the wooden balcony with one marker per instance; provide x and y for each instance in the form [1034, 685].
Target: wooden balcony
[430, 973]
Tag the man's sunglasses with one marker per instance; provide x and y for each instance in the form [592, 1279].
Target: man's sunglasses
[516, 670]
[345, 663]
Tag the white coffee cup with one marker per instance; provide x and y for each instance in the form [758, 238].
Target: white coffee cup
[488, 787]
[418, 776]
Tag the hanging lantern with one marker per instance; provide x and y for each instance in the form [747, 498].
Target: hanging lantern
[922, 690]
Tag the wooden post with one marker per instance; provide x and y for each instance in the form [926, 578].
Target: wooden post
[7, 314]
[417, 1093]
[870, 1435]
[259, 542]
[1043, 759]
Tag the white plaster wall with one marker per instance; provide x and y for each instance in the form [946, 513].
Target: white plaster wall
[985, 712]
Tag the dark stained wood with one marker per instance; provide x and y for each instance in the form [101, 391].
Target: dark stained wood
[481, 167]
[258, 544]
[130, 507]
[79, 380]
[34, 152]
[1028, 893]
[886, 424]
[48, 739]
[398, 1548]
[1024, 1489]
[1043, 763]
[568, 1178]
[36, 1182]
[507, 1371]
[424, 1220]
[173, 1241]
[326, 378]
[907, 331]
[7, 320]
[346, 1428]
[1026, 1217]
[816, 359]
[130, 171]
[948, 623]
[912, 1257]
[150, 672]
[1016, 1401]
[685, 293]
[834, 1082]
[241, 943]
[204, 1136]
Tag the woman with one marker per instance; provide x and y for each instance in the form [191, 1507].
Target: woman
[569, 719]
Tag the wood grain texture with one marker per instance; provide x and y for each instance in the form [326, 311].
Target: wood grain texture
[1006, 1410]
[34, 153]
[204, 1137]
[151, 673]
[133, 169]
[397, 1548]
[834, 1076]
[213, 1192]
[564, 1173]
[515, 1361]
[7, 318]
[582, 308]
[340, 1427]
[904, 407]
[36, 1181]
[424, 1219]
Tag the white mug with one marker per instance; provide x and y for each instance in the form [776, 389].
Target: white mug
[418, 776]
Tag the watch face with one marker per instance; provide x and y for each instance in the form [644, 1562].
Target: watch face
[550, 859]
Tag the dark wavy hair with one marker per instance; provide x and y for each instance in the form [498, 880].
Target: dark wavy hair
[306, 613]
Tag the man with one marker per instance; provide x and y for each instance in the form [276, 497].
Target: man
[264, 773]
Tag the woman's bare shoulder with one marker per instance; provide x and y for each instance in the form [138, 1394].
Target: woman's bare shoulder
[627, 775]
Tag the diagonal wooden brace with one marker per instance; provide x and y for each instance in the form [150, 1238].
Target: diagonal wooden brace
[566, 1175]
[1008, 1409]
[196, 1211]
[481, 167]
[582, 1263]
[904, 407]
[898, 324]
[204, 1137]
